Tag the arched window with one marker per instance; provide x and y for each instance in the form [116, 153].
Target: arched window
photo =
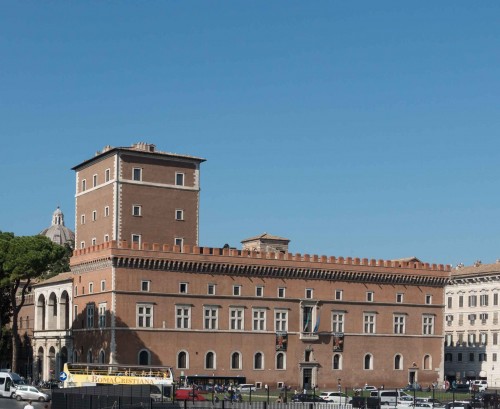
[210, 360]
[89, 356]
[182, 360]
[337, 361]
[102, 357]
[235, 360]
[368, 364]
[398, 362]
[280, 360]
[144, 357]
[427, 362]
[258, 361]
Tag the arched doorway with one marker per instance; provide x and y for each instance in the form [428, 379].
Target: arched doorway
[39, 364]
[40, 313]
[52, 363]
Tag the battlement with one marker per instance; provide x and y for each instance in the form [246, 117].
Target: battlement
[228, 252]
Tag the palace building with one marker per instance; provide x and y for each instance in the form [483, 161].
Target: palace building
[143, 290]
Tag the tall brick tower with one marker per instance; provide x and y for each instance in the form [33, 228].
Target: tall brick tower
[137, 194]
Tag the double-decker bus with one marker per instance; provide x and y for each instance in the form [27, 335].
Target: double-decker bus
[81, 374]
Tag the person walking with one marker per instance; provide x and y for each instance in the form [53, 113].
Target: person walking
[29, 405]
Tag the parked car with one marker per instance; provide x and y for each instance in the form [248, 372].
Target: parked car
[246, 387]
[306, 397]
[27, 392]
[480, 385]
[335, 397]
[429, 405]
[459, 405]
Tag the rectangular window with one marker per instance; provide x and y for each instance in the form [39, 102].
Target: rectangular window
[471, 356]
[106, 238]
[308, 318]
[106, 211]
[102, 315]
[459, 357]
[399, 323]
[183, 317]
[145, 285]
[494, 357]
[309, 293]
[91, 288]
[179, 179]
[450, 302]
[236, 319]
[483, 300]
[107, 175]
[211, 289]
[369, 323]
[259, 319]
[179, 214]
[281, 292]
[94, 241]
[461, 301]
[82, 219]
[76, 291]
[82, 245]
[84, 185]
[90, 315]
[369, 296]
[94, 215]
[183, 288]
[179, 242]
[399, 298]
[94, 180]
[103, 285]
[211, 317]
[495, 299]
[472, 300]
[338, 295]
[495, 338]
[259, 291]
[338, 321]
[237, 290]
[281, 320]
[136, 241]
[428, 325]
[428, 299]
[137, 210]
[75, 311]
[137, 174]
[144, 315]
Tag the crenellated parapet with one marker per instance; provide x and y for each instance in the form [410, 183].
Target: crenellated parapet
[194, 259]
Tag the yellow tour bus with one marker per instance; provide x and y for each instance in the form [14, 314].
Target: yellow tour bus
[81, 374]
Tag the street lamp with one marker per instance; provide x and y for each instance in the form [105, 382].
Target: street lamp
[267, 390]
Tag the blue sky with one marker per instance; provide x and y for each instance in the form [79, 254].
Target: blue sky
[364, 129]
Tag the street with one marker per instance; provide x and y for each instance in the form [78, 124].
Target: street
[7, 403]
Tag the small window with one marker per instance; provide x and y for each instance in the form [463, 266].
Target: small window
[94, 215]
[106, 211]
[259, 291]
[338, 295]
[82, 219]
[145, 285]
[94, 241]
[179, 214]
[179, 242]
[106, 237]
[179, 179]
[76, 292]
[137, 210]
[84, 185]
[369, 296]
[281, 292]
[309, 293]
[82, 245]
[107, 174]
[399, 298]
[94, 180]
[136, 240]
[211, 289]
[103, 285]
[237, 290]
[137, 174]
[428, 299]
[183, 288]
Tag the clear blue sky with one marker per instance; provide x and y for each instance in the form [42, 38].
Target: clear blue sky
[353, 128]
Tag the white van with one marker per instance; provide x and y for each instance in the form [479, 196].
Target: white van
[389, 396]
[8, 383]
[480, 384]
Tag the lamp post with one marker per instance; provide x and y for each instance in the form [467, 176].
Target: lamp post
[267, 391]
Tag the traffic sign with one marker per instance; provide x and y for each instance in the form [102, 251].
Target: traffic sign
[63, 376]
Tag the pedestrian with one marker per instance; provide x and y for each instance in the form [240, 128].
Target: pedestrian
[29, 405]
[280, 399]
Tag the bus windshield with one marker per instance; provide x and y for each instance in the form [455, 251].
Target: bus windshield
[16, 379]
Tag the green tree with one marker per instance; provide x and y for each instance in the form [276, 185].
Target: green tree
[24, 259]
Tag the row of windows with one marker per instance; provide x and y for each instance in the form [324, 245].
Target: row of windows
[472, 300]
[236, 319]
[136, 239]
[368, 362]
[281, 292]
[136, 211]
[481, 357]
[136, 176]
[471, 339]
